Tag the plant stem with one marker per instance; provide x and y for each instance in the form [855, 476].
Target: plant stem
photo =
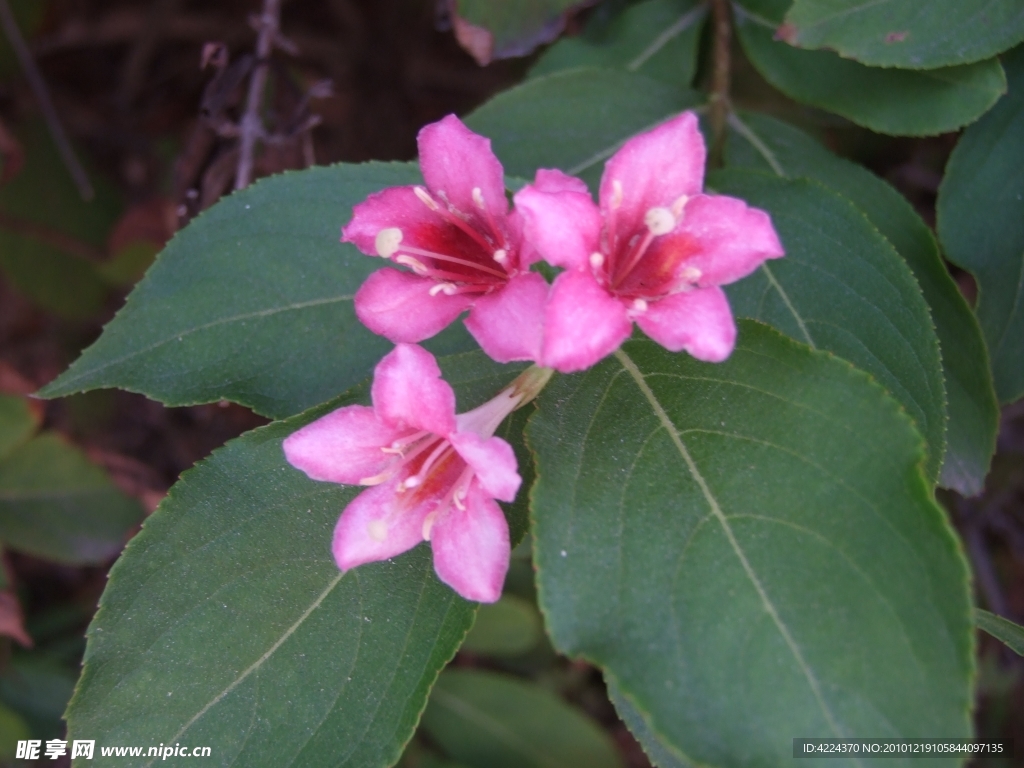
[720, 81]
[251, 128]
[38, 85]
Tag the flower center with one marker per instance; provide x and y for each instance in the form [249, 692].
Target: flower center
[464, 254]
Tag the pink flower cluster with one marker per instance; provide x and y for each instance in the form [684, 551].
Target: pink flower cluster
[654, 251]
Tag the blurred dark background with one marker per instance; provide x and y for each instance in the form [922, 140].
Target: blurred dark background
[152, 127]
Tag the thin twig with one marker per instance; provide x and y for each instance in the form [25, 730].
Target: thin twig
[252, 125]
[720, 80]
[35, 79]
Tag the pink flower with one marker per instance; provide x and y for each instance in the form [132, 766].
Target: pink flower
[463, 247]
[434, 475]
[655, 251]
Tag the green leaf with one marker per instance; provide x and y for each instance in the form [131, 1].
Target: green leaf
[509, 627]
[57, 505]
[38, 690]
[749, 550]
[892, 101]
[914, 34]
[252, 302]
[842, 287]
[981, 225]
[655, 748]
[12, 730]
[48, 234]
[17, 423]
[226, 622]
[1003, 630]
[758, 141]
[487, 720]
[655, 38]
[574, 120]
[490, 30]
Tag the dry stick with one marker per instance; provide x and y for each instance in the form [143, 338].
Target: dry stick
[720, 81]
[35, 80]
[252, 125]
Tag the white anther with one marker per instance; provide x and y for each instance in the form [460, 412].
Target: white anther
[409, 482]
[415, 265]
[501, 256]
[478, 198]
[448, 289]
[377, 529]
[639, 305]
[616, 200]
[428, 525]
[388, 242]
[679, 204]
[596, 260]
[691, 274]
[425, 198]
[660, 221]
[389, 449]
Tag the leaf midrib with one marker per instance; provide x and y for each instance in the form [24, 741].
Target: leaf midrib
[627, 363]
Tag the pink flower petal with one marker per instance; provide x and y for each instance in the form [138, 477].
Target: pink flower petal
[553, 180]
[582, 323]
[408, 391]
[373, 528]
[729, 238]
[398, 306]
[565, 227]
[471, 547]
[509, 323]
[342, 447]
[396, 207]
[699, 321]
[493, 461]
[653, 170]
[527, 253]
[454, 160]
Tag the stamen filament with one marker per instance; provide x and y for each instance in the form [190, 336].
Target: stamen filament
[623, 270]
[458, 221]
[453, 259]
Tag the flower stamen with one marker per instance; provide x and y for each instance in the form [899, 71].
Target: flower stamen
[388, 242]
[451, 216]
[452, 259]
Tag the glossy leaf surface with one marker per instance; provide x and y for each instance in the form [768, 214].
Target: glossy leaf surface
[758, 141]
[655, 38]
[252, 302]
[842, 287]
[913, 34]
[893, 101]
[487, 720]
[227, 623]
[981, 225]
[56, 504]
[574, 120]
[749, 550]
